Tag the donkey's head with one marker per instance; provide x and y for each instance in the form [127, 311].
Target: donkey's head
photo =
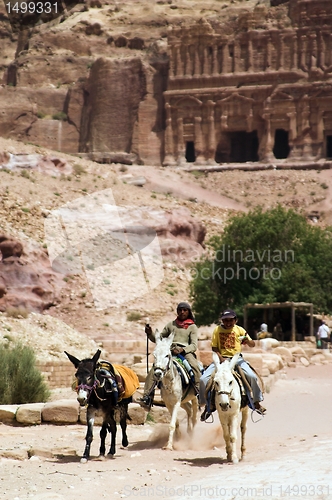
[162, 355]
[85, 376]
[224, 381]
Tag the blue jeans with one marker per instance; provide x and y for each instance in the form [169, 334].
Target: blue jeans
[249, 373]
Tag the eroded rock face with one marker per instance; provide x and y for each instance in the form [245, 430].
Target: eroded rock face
[113, 93]
[181, 237]
[26, 280]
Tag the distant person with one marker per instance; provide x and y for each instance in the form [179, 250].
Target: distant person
[323, 335]
[263, 333]
[278, 333]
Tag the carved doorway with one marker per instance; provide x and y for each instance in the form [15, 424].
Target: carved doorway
[190, 152]
[281, 146]
[329, 146]
[243, 146]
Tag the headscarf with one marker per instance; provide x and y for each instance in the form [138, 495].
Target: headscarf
[263, 327]
[187, 322]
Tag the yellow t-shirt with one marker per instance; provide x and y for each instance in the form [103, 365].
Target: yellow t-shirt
[228, 341]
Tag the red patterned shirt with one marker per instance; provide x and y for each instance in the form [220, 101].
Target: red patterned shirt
[228, 341]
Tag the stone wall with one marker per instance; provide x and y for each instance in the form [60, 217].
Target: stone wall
[57, 374]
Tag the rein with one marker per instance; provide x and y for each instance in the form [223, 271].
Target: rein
[89, 388]
[224, 392]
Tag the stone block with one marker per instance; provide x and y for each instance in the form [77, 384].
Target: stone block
[255, 360]
[30, 414]
[8, 412]
[137, 414]
[64, 411]
[274, 362]
[140, 370]
[17, 454]
[285, 353]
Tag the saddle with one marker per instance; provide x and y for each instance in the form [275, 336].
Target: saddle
[245, 389]
[182, 370]
[112, 380]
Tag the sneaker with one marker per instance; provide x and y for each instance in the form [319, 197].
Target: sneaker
[259, 408]
[205, 415]
[145, 401]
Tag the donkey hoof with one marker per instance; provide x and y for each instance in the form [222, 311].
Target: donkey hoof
[101, 458]
[83, 460]
[168, 447]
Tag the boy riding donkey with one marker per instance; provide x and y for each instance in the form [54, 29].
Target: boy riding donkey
[226, 342]
[184, 346]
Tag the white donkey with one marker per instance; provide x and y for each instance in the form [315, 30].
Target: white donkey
[171, 391]
[228, 404]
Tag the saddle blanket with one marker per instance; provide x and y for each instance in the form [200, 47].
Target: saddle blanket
[131, 382]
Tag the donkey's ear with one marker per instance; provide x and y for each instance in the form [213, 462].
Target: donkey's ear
[171, 338]
[234, 361]
[74, 360]
[157, 335]
[96, 356]
[215, 358]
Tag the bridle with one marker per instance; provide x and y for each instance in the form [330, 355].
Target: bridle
[88, 388]
[163, 370]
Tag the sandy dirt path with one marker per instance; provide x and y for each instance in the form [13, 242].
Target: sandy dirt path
[291, 446]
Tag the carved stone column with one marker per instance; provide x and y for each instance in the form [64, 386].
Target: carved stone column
[320, 134]
[322, 51]
[181, 144]
[225, 59]
[314, 51]
[180, 65]
[303, 52]
[211, 151]
[224, 121]
[169, 146]
[281, 52]
[206, 66]
[197, 62]
[250, 59]
[172, 57]
[189, 63]
[294, 53]
[268, 153]
[250, 119]
[320, 126]
[292, 126]
[236, 55]
[199, 148]
[215, 63]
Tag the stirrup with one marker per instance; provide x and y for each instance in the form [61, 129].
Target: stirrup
[146, 402]
[205, 415]
[259, 409]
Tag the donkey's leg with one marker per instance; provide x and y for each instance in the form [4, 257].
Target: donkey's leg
[103, 434]
[90, 417]
[174, 413]
[225, 430]
[194, 404]
[233, 428]
[244, 419]
[123, 425]
[187, 407]
[112, 430]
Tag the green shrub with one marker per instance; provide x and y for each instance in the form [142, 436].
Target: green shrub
[20, 381]
[60, 116]
[78, 169]
[133, 316]
[17, 312]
